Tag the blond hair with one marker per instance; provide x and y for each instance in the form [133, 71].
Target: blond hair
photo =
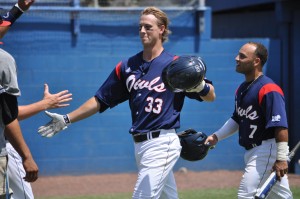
[161, 18]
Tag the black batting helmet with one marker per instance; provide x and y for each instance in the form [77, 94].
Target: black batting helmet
[193, 147]
[184, 73]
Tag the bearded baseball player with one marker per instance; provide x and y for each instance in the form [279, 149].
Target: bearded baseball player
[260, 118]
[155, 110]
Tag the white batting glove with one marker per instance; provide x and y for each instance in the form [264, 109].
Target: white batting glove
[57, 124]
[197, 89]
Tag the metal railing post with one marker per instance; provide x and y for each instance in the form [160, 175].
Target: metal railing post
[75, 24]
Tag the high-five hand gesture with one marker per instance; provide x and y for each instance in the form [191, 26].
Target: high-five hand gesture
[56, 100]
[49, 101]
[58, 123]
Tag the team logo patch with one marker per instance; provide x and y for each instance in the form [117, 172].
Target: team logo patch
[128, 70]
[276, 118]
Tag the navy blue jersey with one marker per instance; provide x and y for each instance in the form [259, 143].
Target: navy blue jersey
[152, 105]
[259, 107]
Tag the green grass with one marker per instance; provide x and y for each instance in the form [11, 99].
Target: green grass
[191, 194]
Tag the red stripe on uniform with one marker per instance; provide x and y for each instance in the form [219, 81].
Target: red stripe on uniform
[118, 70]
[175, 57]
[268, 88]
[236, 90]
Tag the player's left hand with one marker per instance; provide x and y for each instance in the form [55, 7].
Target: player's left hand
[31, 169]
[197, 89]
[57, 124]
[25, 4]
[281, 168]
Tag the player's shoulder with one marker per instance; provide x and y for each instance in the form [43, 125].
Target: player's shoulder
[168, 54]
[165, 55]
[124, 62]
[135, 58]
[5, 56]
[266, 80]
[267, 85]
[165, 58]
[7, 62]
[128, 64]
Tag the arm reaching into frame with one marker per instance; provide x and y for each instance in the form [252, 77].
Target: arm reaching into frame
[61, 122]
[49, 101]
[15, 12]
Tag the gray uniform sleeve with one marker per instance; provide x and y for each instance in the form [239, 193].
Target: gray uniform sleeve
[8, 74]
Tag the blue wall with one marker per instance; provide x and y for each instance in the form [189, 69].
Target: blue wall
[47, 52]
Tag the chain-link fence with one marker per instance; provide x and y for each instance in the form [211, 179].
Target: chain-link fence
[101, 11]
[111, 3]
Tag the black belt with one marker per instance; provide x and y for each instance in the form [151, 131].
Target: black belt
[141, 137]
[251, 146]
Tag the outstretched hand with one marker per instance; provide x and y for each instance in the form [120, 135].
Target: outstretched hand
[57, 124]
[57, 100]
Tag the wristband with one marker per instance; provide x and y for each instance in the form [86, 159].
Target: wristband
[205, 90]
[282, 151]
[14, 13]
[17, 5]
[67, 119]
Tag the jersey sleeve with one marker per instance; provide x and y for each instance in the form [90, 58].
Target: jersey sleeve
[235, 117]
[113, 91]
[8, 108]
[271, 99]
[8, 74]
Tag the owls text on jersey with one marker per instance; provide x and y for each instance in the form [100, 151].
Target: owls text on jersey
[259, 106]
[152, 105]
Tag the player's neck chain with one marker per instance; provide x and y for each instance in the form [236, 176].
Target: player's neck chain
[244, 91]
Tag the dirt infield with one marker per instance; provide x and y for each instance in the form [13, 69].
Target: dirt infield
[124, 183]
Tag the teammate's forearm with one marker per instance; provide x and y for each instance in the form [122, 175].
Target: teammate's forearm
[15, 13]
[31, 109]
[281, 135]
[3, 31]
[14, 135]
[86, 110]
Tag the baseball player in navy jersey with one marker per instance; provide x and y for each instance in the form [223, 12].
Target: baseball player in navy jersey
[260, 118]
[155, 110]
